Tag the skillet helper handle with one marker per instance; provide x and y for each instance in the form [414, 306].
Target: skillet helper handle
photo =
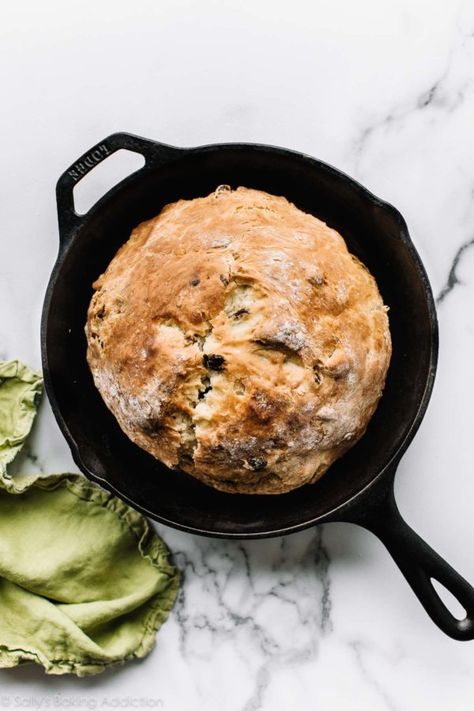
[153, 152]
[420, 564]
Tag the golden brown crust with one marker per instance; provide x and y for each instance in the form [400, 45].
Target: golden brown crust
[236, 338]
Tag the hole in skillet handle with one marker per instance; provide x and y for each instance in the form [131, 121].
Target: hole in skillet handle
[153, 153]
[105, 176]
[453, 605]
[377, 511]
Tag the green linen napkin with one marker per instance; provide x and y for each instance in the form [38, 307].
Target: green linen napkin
[84, 580]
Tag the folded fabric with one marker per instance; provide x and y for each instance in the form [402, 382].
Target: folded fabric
[85, 582]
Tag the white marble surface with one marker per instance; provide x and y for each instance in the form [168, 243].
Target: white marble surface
[383, 90]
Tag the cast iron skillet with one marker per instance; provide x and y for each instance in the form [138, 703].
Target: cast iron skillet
[359, 487]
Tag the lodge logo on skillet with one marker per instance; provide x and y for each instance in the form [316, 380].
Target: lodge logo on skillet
[89, 161]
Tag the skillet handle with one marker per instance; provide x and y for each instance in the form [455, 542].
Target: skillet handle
[153, 152]
[419, 563]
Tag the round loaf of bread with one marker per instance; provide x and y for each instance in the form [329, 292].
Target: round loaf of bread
[235, 338]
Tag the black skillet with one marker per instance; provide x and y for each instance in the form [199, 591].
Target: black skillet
[359, 487]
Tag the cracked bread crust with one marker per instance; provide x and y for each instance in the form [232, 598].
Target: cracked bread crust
[235, 338]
